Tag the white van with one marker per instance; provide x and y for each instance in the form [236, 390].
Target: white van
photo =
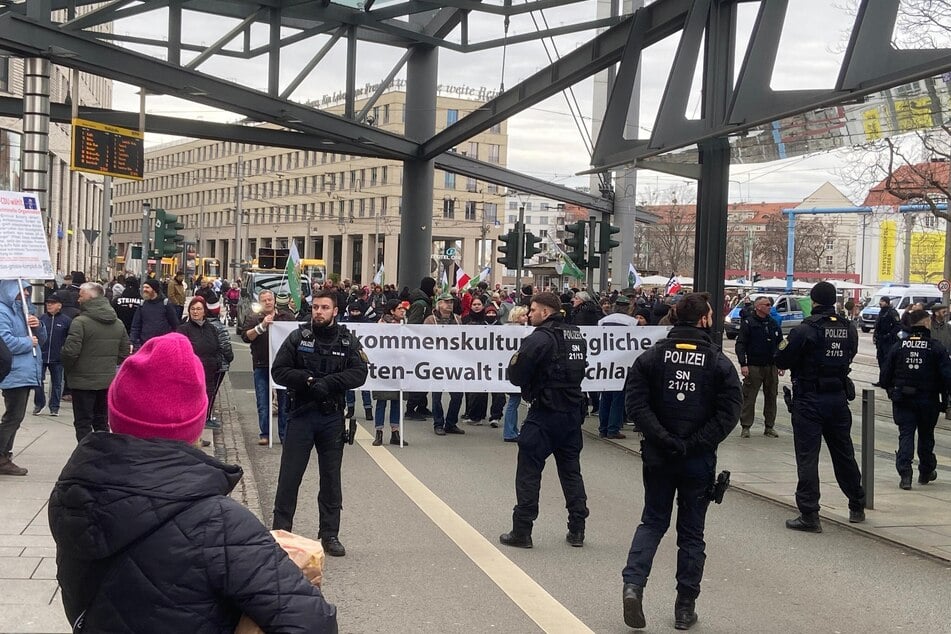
[902, 296]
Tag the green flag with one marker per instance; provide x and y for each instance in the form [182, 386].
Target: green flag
[293, 277]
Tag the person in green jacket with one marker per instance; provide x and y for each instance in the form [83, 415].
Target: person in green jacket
[96, 344]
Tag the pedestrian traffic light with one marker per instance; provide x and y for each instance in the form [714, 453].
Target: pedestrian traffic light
[167, 239]
[575, 243]
[605, 241]
[509, 248]
[532, 245]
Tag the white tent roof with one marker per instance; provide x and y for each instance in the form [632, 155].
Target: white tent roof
[778, 283]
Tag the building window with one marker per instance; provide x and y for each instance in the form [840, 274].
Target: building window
[528, 206]
[543, 206]
[450, 180]
[829, 261]
[513, 218]
[470, 210]
[448, 207]
[494, 155]
[513, 204]
[496, 129]
[386, 113]
[473, 149]
[471, 184]
[543, 220]
[830, 244]
[490, 212]
[451, 116]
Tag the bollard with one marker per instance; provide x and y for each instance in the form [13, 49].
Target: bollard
[868, 447]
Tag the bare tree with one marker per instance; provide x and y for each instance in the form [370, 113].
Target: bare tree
[671, 239]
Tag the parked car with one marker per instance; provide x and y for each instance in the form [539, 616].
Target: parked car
[786, 310]
[902, 296]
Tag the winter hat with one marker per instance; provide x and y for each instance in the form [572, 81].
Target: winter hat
[78, 278]
[214, 307]
[428, 286]
[148, 401]
[282, 300]
[823, 294]
[118, 289]
[154, 284]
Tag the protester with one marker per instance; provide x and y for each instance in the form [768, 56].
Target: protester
[155, 317]
[57, 326]
[206, 344]
[128, 302]
[448, 422]
[226, 356]
[21, 334]
[393, 313]
[97, 343]
[176, 289]
[518, 316]
[421, 307]
[148, 539]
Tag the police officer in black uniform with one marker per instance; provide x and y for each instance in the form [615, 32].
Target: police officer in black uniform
[549, 367]
[819, 353]
[318, 363]
[686, 397]
[916, 373]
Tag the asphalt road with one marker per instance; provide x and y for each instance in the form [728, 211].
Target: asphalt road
[421, 527]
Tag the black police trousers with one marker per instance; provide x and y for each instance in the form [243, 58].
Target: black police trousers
[547, 432]
[916, 415]
[818, 415]
[308, 429]
[689, 478]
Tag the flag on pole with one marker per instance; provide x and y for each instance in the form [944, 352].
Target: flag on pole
[481, 277]
[564, 265]
[633, 277]
[673, 286]
[292, 275]
[462, 279]
[444, 283]
[379, 277]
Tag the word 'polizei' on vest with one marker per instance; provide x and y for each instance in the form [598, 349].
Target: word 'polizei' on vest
[686, 372]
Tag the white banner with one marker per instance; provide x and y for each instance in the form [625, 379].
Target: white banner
[421, 358]
[23, 249]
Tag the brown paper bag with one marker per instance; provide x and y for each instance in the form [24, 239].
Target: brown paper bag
[307, 553]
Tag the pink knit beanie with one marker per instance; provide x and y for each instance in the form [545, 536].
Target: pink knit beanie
[159, 392]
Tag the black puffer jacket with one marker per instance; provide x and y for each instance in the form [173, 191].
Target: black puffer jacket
[148, 541]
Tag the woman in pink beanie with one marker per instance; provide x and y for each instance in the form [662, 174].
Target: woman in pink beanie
[147, 539]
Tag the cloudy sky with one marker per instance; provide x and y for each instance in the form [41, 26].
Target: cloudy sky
[544, 140]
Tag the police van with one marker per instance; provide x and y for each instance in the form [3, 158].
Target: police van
[901, 296]
[785, 310]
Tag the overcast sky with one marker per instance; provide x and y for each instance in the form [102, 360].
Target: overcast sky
[543, 140]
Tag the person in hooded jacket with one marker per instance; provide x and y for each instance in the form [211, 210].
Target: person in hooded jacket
[128, 302]
[147, 538]
[95, 345]
[206, 345]
[70, 293]
[225, 356]
[21, 335]
[57, 325]
[420, 307]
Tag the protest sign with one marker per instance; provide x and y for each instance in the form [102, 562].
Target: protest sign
[422, 358]
[24, 252]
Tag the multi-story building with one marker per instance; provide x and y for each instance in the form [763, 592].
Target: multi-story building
[74, 199]
[339, 208]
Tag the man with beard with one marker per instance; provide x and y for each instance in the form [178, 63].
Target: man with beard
[155, 317]
[318, 363]
[128, 302]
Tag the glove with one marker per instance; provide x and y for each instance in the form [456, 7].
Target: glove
[676, 447]
[319, 389]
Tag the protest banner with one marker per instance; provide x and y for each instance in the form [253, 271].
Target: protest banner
[423, 358]
[24, 252]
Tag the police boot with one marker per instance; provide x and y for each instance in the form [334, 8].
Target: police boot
[925, 478]
[516, 540]
[378, 439]
[350, 411]
[905, 482]
[634, 606]
[575, 538]
[806, 522]
[684, 614]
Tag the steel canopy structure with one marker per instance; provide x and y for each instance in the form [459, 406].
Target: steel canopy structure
[420, 28]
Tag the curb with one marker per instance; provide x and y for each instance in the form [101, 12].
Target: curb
[230, 447]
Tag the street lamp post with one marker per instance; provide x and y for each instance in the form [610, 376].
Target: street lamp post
[146, 223]
[236, 260]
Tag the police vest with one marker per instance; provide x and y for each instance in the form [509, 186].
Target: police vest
[684, 374]
[914, 364]
[834, 352]
[325, 355]
[569, 358]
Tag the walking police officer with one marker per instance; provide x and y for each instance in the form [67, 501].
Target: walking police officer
[686, 397]
[916, 373]
[819, 353]
[549, 367]
[318, 363]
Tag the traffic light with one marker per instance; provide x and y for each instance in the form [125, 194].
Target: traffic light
[574, 243]
[167, 239]
[113, 252]
[509, 248]
[532, 245]
[605, 241]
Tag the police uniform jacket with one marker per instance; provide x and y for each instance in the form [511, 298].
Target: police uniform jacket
[758, 340]
[550, 365]
[819, 352]
[684, 394]
[886, 326]
[917, 367]
[320, 363]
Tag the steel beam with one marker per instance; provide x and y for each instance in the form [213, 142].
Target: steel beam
[274, 53]
[224, 39]
[99, 15]
[29, 38]
[590, 25]
[384, 84]
[312, 64]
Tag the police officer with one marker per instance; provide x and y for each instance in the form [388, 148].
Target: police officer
[756, 347]
[916, 373]
[318, 363]
[686, 397]
[549, 367]
[819, 352]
